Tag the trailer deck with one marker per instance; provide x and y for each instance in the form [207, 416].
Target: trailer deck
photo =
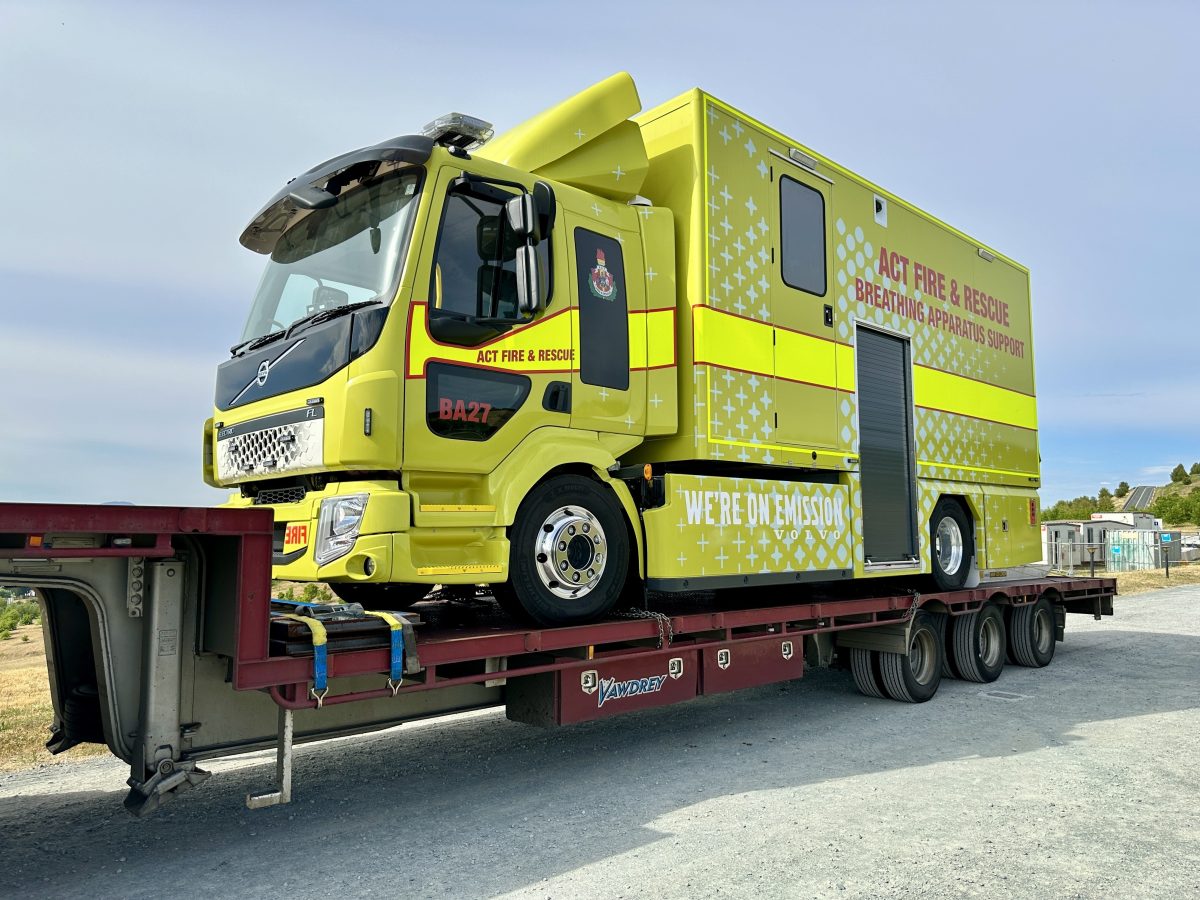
[163, 619]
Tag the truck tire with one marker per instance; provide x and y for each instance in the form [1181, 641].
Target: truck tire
[864, 664]
[913, 677]
[569, 554]
[1031, 634]
[380, 595]
[977, 644]
[951, 545]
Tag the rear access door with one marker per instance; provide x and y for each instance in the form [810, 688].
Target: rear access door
[886, 447]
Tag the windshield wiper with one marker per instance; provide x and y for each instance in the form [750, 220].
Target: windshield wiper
[325, 315]
[299, 325]
[255, 343]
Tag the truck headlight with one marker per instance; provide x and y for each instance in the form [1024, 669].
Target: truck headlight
[338, 526]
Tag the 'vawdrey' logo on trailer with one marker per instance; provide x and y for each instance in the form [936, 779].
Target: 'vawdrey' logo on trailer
[607, 689]
[602, 283]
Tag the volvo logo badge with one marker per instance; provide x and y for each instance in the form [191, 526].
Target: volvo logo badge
[264, 369]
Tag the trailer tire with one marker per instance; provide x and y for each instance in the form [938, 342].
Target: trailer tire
[913, 677]
[571, 525]
[380, 595]
[81, 716]
[864, 665]
[1031, 635]
[951, 545]
[978, 644]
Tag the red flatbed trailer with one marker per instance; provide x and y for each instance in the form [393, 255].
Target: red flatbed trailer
[161, 642]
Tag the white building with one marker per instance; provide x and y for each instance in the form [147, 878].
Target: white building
[1131, 519]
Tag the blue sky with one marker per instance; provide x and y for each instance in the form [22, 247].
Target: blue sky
[138, 140]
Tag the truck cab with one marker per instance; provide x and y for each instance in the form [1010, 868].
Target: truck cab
[441, 334]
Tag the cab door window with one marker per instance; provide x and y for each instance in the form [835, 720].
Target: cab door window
[475, 271]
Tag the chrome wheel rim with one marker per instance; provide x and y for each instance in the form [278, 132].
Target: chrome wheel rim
[571, 552]
[922, 654]
[949, 545]
[990, 643]
[1043, 632]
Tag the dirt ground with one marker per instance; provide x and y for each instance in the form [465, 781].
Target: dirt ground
[1078, 780]
[25, 708]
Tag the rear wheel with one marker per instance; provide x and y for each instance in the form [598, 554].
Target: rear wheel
[913, 677]
[1031, 636]
[864, 664]
[371, 595]
[977, 644]
[952, 545]
[569, 556]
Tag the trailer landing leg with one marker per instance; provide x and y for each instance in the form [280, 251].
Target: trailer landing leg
[168, 780]
[283, 768]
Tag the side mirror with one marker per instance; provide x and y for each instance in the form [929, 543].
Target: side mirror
[529, 289]
[522, 218]
[543, 206]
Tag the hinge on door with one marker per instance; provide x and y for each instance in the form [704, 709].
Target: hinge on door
[776, 421]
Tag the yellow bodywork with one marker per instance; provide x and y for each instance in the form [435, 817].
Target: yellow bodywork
[727, 365]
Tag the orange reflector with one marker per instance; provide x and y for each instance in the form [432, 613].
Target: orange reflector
[647, 472]
[35, 540]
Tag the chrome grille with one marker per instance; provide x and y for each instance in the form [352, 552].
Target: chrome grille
[287, 447]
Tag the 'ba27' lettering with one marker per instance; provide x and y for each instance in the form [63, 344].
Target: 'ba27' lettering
[463, 410]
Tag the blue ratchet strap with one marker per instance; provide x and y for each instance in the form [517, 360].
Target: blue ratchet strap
[320, 638]
[397, 659]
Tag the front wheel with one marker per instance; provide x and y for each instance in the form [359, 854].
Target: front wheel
[569, 553]
[951, 545]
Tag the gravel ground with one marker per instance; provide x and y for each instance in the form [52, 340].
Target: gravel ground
[1085, 784]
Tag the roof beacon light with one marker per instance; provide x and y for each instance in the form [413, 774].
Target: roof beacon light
[457, 130]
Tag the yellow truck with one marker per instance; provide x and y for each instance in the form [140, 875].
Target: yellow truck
[614, 350]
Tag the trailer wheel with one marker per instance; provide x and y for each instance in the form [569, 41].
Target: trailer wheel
[1031, 634]
[978, 644]
[913, 677]
[380, 595]
[864, 664]
[569, 553]
[951, 545]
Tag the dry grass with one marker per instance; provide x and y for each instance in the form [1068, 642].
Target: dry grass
[25, 708]
[1154, 579]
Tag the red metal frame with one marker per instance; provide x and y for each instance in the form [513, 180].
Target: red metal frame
[287, 678]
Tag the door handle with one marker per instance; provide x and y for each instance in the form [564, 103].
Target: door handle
[557, 397]
[829, 315]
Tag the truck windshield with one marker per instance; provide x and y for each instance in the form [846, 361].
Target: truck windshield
[348, 253]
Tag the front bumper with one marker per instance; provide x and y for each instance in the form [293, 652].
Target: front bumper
[389, 548]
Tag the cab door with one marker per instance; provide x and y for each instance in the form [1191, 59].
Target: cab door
[803, 310]
[608, 280]
[473, 394]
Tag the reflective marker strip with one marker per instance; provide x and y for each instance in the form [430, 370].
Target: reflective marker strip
[457, 570]
[518, 349]
[734, 342]
[943, 392]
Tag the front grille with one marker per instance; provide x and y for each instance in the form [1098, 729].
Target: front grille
[277, 448]
[274, 496]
